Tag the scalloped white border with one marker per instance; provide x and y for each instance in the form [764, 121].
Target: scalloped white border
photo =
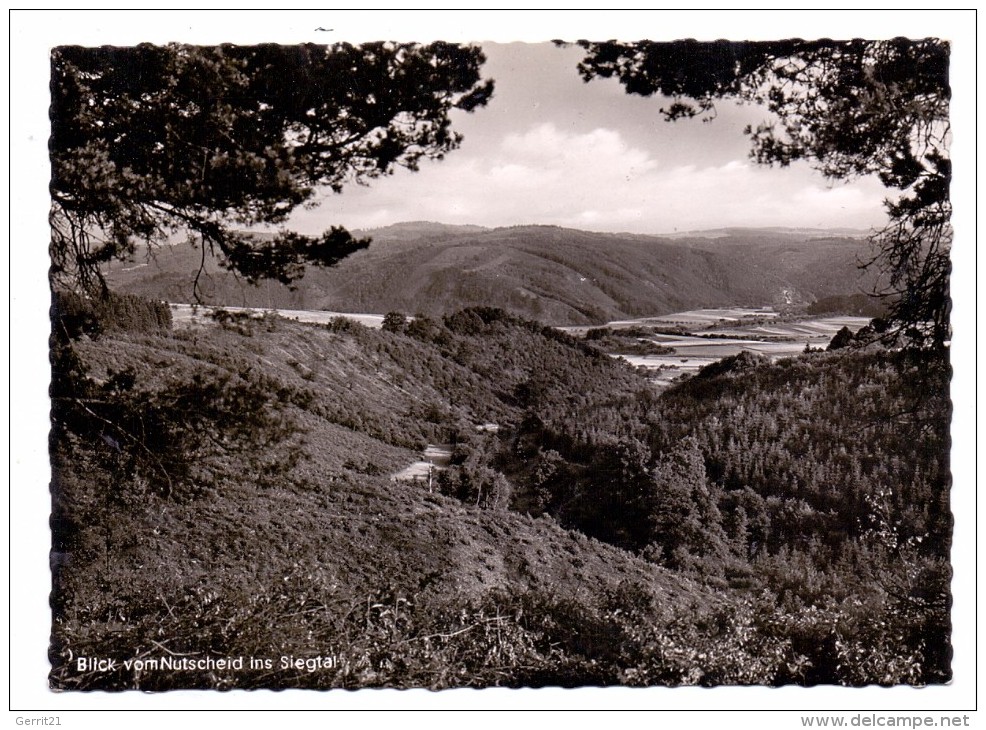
[33, 32]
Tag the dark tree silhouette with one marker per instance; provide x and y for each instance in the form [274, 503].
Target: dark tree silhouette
[151, 142]
[850, 108]
[394, 322]
[842, 338]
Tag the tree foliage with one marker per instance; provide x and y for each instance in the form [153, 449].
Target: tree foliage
[167, 436]
[151, 142]
[73, 315]
[684, 518]
[850, 108]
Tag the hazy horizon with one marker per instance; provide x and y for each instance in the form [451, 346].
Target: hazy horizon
[550, 149]
[777, 228]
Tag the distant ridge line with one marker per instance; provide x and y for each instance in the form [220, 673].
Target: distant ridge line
[433, 226]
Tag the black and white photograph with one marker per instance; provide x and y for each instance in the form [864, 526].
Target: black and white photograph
[590, 361]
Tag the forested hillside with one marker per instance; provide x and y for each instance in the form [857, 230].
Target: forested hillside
[554, 275]
[226, 490]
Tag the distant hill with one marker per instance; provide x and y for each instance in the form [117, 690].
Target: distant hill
[555, 275]
[418, 230]
[770, 232]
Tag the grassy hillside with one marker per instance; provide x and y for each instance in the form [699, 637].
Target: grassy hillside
[553, 275]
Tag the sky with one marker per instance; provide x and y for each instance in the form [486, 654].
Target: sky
[552, 149]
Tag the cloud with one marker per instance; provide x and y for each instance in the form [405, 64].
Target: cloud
[597, 180]
[550, 148]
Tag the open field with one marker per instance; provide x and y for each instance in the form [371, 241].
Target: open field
[185, 314]
[746, 331]
[704, 317]
[822, 328]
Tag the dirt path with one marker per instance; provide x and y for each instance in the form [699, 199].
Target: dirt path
[434, 459]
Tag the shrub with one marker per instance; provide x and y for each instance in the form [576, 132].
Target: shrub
[394, 322]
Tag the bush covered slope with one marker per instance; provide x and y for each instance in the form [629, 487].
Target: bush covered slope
[225, 491]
